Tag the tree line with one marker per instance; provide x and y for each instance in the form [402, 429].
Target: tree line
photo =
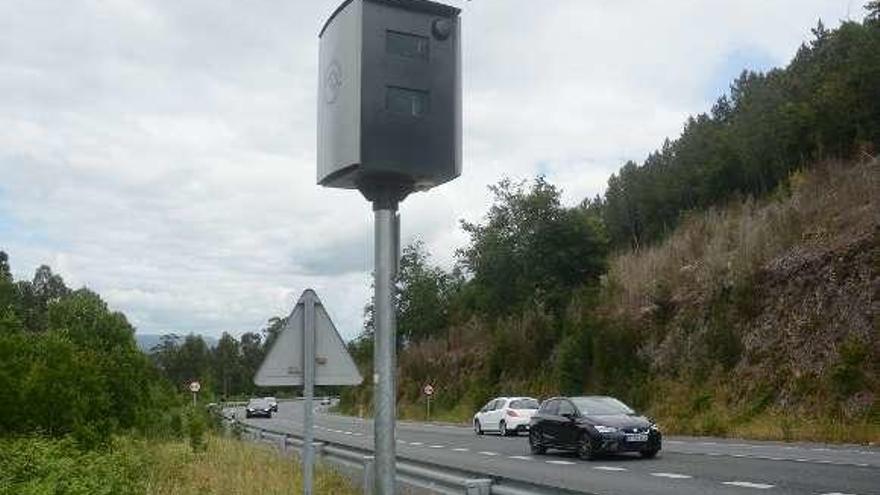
[824, 104]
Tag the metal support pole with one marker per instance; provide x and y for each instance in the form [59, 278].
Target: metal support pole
[369, 478]
[385, 351]
[308, 458]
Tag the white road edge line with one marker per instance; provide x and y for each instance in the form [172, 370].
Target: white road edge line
[674, 476]
[748, 484]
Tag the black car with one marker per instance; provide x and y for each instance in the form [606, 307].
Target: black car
[258, 407]
[592, 426]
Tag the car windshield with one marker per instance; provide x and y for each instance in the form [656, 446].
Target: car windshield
[257, 403]
[269, 399]
[600, 406]
[524, 404]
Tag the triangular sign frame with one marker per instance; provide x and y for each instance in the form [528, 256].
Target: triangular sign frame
[283, 364]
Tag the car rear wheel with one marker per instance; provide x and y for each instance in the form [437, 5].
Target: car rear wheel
[585, 448]
[535, 443]
[478, 429]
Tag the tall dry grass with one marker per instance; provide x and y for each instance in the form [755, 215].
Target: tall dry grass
[722, 246]
[232, 467]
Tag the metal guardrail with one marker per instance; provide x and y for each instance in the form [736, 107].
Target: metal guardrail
[421, 475]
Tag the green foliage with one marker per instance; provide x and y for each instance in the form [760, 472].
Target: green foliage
[197, 426]
[69, 367]
[43, 466]
[826, 103]
[848, 375]
[531, 250]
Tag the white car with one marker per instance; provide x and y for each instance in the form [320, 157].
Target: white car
[506, 415]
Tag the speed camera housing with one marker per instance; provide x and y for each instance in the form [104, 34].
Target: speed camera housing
[389, 105]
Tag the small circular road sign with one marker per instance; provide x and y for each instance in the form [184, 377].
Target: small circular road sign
[428, 390]
[194, 387]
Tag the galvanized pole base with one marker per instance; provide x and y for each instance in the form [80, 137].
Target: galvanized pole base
[384, 355]
[308, 458]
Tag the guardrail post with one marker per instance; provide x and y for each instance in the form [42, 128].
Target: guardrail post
[369, 474]
[478, 487]
[318, 450]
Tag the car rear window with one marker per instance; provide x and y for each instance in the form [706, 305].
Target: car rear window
[524, 404]
[550, 407]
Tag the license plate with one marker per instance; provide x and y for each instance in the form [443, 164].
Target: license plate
[637, 437]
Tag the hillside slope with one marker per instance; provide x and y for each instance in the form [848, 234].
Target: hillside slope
[771, 306]
[758, 319]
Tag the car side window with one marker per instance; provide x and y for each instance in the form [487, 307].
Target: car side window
[566, 408]
[550, 407]
[488, 406]
[498, 404]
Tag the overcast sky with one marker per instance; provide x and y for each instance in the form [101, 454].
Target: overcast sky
[163, 153]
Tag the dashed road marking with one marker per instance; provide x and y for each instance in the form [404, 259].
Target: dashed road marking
[520, 457]
[416, 443]
[437, 446]
[609, 468]
[674, 476]
[561, 463]
[488, 453]
[748, 484]
[837, 493]
[461, 449]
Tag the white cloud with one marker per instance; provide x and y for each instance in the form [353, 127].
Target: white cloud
[162, 152]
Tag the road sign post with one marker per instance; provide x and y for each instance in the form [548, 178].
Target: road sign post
[194, 387]
[308, 352]
[389, 123]
[429, 392]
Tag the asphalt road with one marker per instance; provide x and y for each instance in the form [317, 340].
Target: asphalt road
[685, 465]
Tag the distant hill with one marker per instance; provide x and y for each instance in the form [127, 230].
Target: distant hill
[146, 341]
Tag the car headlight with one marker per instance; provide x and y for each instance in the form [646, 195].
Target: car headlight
[250, 410]
[655, 427]
[605, 429]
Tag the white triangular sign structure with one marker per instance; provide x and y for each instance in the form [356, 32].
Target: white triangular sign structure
[283, 365]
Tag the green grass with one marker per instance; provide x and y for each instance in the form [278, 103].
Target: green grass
[43, 466]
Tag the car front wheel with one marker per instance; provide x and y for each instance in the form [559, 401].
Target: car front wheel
[502, 427]
[535, 443]
[478, 429]
[585, 448]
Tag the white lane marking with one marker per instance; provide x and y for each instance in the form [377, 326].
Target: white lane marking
[837, 493]
[401, 441]
[674, 476]
[860, 465]
[821, 450]
[714, 454]
[488, 453]
[708, 443]
[609, 468]
[461, 449]
[748, 484]
[348, 433]
[520, 457]
[437, 446]
[561, 463]
[415, 443]
[358, 434]
[674, 441]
